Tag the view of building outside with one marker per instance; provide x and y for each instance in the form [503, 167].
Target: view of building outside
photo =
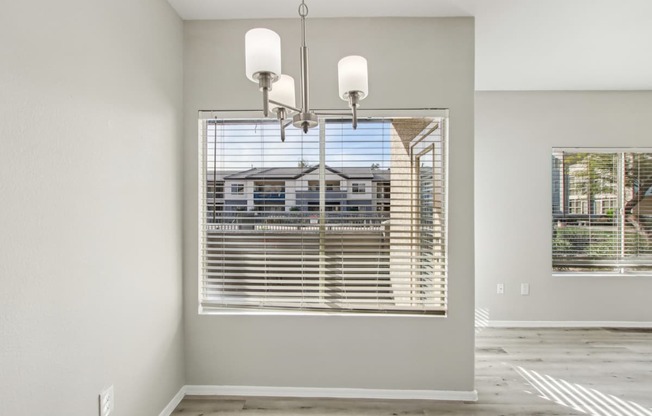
[364, 230]
[602, 211]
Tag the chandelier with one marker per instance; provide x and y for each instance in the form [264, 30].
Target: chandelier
[263, 66]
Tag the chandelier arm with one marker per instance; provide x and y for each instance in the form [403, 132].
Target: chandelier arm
[280, 122]
[354, 102]
[280, 114]
[265, 80]
[289, 107]
[265, 102]
[283, 127]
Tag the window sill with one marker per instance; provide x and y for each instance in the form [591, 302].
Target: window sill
[619, 275]
[208, 311]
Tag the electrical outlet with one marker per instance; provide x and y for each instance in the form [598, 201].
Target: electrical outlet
[106, 402]
[500, 288]
[525, 289]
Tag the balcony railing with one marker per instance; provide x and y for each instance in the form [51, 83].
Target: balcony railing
[279, 196]
[314, 195]
[295, 220]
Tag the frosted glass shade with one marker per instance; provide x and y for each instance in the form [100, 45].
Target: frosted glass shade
[283, 92]
[262, 53]
[352, 76]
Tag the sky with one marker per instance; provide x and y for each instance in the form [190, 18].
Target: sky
[243, 146]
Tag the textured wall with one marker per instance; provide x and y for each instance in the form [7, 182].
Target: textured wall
[412, 63]
[90, 168]
[515, 134]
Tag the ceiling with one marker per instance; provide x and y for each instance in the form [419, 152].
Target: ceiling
[520, 44]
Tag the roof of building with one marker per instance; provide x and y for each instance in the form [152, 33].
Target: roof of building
[297, 172]
[217, 174]
[269, 173]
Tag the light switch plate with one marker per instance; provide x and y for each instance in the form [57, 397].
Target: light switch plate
[500, 288]
[525, 289]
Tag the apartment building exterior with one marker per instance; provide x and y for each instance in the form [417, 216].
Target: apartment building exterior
[284, 189]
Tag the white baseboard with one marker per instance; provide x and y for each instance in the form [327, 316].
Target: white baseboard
[340, 393]
[167, 411]
[568, 324]
[467, 396]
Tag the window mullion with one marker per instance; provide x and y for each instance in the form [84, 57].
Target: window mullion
[621, 207]
[322, 210]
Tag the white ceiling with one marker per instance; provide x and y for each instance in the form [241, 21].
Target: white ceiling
[520, 44]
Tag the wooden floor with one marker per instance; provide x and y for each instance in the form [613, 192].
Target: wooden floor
[605, 372]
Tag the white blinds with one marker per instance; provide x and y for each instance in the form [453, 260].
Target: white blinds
[333, 220]
[602, 211]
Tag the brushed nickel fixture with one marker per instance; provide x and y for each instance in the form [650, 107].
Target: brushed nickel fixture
[263, 66]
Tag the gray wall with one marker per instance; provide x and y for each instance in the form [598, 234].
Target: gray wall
[515, 133]
[412, 63]
[90, 258]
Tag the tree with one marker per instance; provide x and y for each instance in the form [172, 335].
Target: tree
[303, 164]
[592, 174]
[638, 177]
[638, 180]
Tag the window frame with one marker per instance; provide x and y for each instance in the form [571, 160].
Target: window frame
[583, 203]
[237, 185]
[358, 188]
[379, 113]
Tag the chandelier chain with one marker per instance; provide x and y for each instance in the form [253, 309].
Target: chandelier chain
[303, 9]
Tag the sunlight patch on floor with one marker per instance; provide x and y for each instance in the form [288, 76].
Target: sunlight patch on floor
[481, 319]
[580, 398]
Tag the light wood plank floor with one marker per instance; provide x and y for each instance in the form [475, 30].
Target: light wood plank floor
[604, 372]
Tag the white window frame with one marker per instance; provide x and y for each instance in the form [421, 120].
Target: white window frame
[584, 207]
[235, 186]
[409, 113]
[358, 188]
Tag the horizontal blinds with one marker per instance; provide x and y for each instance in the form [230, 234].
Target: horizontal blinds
[359, 228]
[602, 211]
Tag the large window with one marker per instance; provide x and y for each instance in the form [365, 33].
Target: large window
[295, 238]
[601, 211]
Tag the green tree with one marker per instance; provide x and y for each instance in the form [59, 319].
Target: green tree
[591, 174]
[598, 173]
[638, 180]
